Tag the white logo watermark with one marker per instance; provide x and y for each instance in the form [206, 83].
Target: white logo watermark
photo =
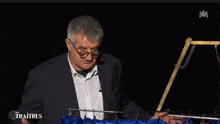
[15, 115]
[203, 14]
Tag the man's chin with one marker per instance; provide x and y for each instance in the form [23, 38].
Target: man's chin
[87, 66]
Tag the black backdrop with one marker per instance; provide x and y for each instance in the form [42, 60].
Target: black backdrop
[147, 38]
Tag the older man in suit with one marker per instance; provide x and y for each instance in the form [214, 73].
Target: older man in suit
[82, 78]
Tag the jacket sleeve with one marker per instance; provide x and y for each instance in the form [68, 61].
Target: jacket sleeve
[129, 105]
[125, 103]
[31, 98]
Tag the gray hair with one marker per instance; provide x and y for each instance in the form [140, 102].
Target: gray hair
[89, 27]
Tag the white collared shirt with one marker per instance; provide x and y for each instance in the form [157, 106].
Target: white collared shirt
[87, 92]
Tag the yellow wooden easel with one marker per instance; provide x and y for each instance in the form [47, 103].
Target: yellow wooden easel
[188, 42]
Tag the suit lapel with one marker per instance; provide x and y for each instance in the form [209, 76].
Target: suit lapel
[69, 84]
[104, 85]
[105, 80]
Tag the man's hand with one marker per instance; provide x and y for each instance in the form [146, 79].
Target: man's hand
[170, 120]
[24, 121]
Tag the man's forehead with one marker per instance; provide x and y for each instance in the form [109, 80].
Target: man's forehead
[85, 40]
[81, 35]
[87, 44]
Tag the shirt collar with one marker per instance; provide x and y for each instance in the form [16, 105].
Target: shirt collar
[92, 72]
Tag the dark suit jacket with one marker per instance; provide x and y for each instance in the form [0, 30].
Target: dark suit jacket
[50, 89]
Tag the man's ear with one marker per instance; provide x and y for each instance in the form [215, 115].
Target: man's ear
[68, 44]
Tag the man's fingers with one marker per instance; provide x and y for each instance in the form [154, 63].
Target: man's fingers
[175, 118]
[174, 121]
[161, 114]
[170, 120]
[165, 119]
[24, 121]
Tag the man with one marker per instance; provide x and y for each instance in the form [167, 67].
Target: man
[82, 78]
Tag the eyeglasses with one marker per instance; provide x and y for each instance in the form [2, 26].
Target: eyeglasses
[84, 54]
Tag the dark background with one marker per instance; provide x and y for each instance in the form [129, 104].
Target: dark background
[147, 38]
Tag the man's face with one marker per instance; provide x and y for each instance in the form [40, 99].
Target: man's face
[82, 44]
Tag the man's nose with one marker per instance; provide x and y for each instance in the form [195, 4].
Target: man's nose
[89, 57]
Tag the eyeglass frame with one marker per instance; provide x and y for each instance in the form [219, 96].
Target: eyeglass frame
[84, 51]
